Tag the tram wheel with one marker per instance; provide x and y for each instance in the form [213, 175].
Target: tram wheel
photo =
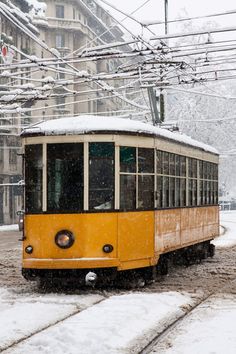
[162, 265]
[211, 250]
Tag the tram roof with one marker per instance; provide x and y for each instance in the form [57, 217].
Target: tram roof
[109, 125]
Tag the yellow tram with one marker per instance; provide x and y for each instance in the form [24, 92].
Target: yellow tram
[107, 195]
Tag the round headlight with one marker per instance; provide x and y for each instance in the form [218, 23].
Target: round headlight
[107, 248]
[64, 239]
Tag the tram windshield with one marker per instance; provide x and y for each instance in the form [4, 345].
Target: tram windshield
[65, 177]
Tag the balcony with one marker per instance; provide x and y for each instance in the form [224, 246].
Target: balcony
[67, 24]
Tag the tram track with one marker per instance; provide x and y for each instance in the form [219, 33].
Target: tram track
[161, 336]
[5, 349]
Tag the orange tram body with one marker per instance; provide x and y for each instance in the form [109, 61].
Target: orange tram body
[108, 195]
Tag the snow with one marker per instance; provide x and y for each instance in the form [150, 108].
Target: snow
[89, 323]
[86, 124]
[104, 328]
[209, 329]
[31, 313]
[228, 233]
[9, 227]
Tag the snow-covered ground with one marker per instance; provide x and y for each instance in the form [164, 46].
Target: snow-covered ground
[228, 229]
[9, 227]
[88, 324]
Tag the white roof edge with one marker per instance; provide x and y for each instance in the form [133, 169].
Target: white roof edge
[85, 124]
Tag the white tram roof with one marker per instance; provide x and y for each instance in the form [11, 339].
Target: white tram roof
[108, 125]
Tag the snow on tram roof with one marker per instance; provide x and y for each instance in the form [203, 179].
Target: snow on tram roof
[91, 124]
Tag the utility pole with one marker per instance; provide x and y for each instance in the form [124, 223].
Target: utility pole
[162, 99]
[158, 116]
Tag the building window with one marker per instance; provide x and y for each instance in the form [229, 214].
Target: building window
[60, 101]
[60, 11]
[12, 157]
[60, 40]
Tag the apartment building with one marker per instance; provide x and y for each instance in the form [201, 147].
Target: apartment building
[10, 126]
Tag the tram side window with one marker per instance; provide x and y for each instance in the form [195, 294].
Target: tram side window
[65, 176]
[128, 179]
[145, 160]
[33, 178]
[145, 192]
[128, 159]
[101, 176]
[145, 178]
[128, 192]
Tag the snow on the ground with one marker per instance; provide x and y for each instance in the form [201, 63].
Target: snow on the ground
[228, 221]
[13, 227]
[209, 329]
[22, 315]
[119, 324]
[112, 326]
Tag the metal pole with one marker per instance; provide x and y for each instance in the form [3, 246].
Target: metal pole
[162, 100]
[166, 16]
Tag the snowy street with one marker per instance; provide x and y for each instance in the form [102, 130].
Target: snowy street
[121, 321]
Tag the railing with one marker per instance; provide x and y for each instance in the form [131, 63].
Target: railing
[67, 24]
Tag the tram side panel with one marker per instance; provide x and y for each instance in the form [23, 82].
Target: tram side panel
[136, 239]
[179, 228]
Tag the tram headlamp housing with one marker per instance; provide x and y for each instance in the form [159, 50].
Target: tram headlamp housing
[64, 239]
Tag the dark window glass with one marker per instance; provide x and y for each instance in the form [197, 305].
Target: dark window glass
[200, 198]
[201, 169]
[165, 192]
[172, 192]
[65, 177]
[60, 11]
[145, 160]
[159, 162]
[127, 159]
[215, 172]
[101, 175]
[208, 192]
[215, 192]
[177, 165]
[190, 168]
[177, 192]
[165, 163]
[194, 192]
[212, 192]
[33, 178]
[190, 192]
[205, 192]
[182, 166]
[194, 168]
[172, 164]
[183, 192]
[145, 192]
[159, 192]
[128, 192]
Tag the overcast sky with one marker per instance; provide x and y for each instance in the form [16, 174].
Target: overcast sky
[154, 10]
